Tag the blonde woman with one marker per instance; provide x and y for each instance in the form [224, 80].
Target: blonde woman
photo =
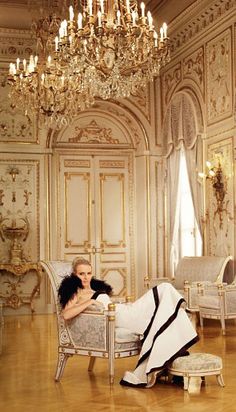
[159, 316]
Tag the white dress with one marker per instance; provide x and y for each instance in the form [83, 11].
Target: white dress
[159, 316]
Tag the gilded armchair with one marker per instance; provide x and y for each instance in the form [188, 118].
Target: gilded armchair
[218, 302]
[193, 272]
[93, 333]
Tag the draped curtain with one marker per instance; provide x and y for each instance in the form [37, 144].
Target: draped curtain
[180, 133]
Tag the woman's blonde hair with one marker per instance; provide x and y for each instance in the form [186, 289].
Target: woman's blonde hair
[79, 261]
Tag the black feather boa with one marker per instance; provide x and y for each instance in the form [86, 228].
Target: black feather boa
[70, 285]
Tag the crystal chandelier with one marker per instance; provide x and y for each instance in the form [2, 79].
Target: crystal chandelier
[106, 49]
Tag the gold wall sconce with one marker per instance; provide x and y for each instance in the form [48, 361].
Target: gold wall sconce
[218, 180]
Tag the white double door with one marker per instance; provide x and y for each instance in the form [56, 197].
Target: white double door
[95, 202]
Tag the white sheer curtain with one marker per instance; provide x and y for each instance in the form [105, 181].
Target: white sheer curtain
[180, 132]
[194, 163]
[173, 163]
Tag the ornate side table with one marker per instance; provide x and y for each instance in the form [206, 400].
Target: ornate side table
[13, 296]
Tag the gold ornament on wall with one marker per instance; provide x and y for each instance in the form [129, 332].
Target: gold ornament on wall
[215, 175]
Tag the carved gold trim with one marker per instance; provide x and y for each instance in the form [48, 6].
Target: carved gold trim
[115, 164]
[77, 163]
[36, 164]
[121, 178]
[149, 264]
[123, 255]
[86, 176]
[122, 272]
[15, 298]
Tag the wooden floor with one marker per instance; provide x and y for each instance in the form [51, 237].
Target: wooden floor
[28, 362]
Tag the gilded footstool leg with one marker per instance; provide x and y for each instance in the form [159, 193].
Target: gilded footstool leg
[186, 383]
[220, 380]
[194, 384]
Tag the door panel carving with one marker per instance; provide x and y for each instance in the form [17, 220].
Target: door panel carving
[94, 214]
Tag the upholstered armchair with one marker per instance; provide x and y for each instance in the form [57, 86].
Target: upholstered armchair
[193, 272]
[218, 302]
[93, 333]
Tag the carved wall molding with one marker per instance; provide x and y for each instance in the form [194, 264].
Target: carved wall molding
[142, 101]
[15, 126]
[219, 77]
[106, 124]
[202, 20]
[16, 43]
[93, 133]
[19, 184]
[221, 237]
[193, 68]
[170, 80]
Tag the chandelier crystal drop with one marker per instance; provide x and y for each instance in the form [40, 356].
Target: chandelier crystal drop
[106, 49]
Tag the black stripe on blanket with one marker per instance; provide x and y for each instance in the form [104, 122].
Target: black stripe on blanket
[156, 300]
[181, 352]
[161, 330]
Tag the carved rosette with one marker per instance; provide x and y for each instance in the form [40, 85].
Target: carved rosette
[219, 77]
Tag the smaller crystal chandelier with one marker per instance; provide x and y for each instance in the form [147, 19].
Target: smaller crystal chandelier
[108, 50]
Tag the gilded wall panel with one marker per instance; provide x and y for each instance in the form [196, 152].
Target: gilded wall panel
[142, 101]
[15, 126]
[77, 221]
[112, 198]
[219, 77]
[220, 200]
[170, 81]
[117, 277]
[193, 68]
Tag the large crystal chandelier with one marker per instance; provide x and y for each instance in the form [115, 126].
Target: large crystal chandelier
[106, 49]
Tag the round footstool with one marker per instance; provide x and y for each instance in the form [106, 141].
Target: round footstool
[194, 367]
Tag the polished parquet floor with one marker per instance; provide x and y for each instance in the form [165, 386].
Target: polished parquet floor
[28, 362]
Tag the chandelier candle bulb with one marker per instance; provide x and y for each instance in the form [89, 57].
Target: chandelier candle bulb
[80, 21]
[142, 5]
[161, 34]
[49, 61]
[24, 65]
[155, 39]
[127, 7]
[134, 18]
[118, 18]
[91, 7]
[99, 19]
[71, 12]
[150, 19]
[17, 63]
[165, 30]
[56, 43]
[36, 61]
[102, 6]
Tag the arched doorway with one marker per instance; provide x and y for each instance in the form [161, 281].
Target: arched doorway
[94, 195]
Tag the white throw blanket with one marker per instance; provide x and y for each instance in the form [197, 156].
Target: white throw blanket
[160, 318]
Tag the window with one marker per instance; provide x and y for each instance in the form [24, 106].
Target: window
[190, 241]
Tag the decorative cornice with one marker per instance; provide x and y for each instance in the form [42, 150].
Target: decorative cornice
[183, 29]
